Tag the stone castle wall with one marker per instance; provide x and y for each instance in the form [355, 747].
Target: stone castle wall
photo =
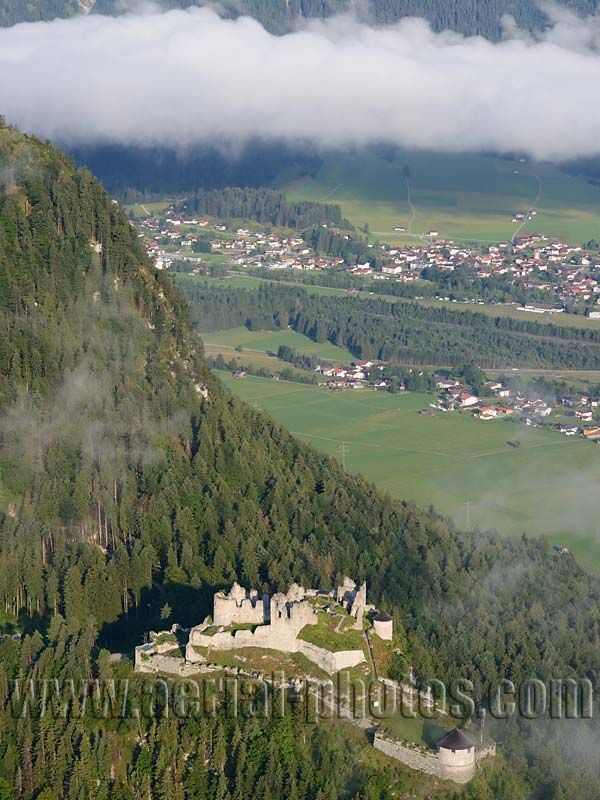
[424, 762]
[277, 621]
[272, 637]
[329, 661]
[485, 750]
[269, 637]
[457, 766]
[162, 663]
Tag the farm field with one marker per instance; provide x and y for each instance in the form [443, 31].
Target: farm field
[251, 358]
[144, 209]
[269, 341]
[463, 197]
[464, 467]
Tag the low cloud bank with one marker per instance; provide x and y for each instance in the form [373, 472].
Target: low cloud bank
[187, 77]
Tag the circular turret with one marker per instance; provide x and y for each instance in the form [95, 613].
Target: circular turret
[383, 625]
[456, 752]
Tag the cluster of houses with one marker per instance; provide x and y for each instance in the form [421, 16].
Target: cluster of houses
[566, 273]
[498, 401]
[455, 396]
[176, 232]
[494, 401]
[172, 238]
[584, 410]
[356, 375]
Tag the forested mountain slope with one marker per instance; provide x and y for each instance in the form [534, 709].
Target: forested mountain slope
[471, 17]
[132, 482]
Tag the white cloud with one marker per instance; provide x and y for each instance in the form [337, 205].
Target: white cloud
[185, 77]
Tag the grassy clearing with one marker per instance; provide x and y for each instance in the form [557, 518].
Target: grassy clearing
[236, 280]
[464, 197]
[269, 342]
[464, 467]
[262, 660]
[563, 320]
[331, 633]
[141, 210]
[424, 732]
[250, 358]
[382, 654]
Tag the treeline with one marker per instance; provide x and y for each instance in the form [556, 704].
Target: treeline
[13, 11]
[463, 283]
[413, 380]
[286, 374]
[263, 205]
[300, 360]
[352, 249]
[436, 283]
[465, 16]
[397, 331]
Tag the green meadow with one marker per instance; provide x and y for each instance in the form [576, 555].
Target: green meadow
[141, 210]
[467, 469]
[464, 197]
[269, 342]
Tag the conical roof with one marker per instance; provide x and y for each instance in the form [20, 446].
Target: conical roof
[456, 740]
[381, 616]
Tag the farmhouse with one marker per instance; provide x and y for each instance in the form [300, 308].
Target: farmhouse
[467, 399]
[392, 269]
[592, 433]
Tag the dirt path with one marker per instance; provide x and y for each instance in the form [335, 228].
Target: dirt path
[332, 192]
[410, 205]
[371, 656]
[530, 209]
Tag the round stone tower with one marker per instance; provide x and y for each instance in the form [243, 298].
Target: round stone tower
[456, 753]
[383, 626]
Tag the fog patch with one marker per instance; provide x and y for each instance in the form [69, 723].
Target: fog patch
[189, 77]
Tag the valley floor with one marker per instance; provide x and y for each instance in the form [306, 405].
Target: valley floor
[464, 467]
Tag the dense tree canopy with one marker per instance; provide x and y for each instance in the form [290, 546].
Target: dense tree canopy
[398, 331]
[262, 205]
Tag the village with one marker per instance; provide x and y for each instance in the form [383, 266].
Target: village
[569, 414]
[566, 274]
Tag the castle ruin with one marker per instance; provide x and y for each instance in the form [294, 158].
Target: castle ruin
[245, 618]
